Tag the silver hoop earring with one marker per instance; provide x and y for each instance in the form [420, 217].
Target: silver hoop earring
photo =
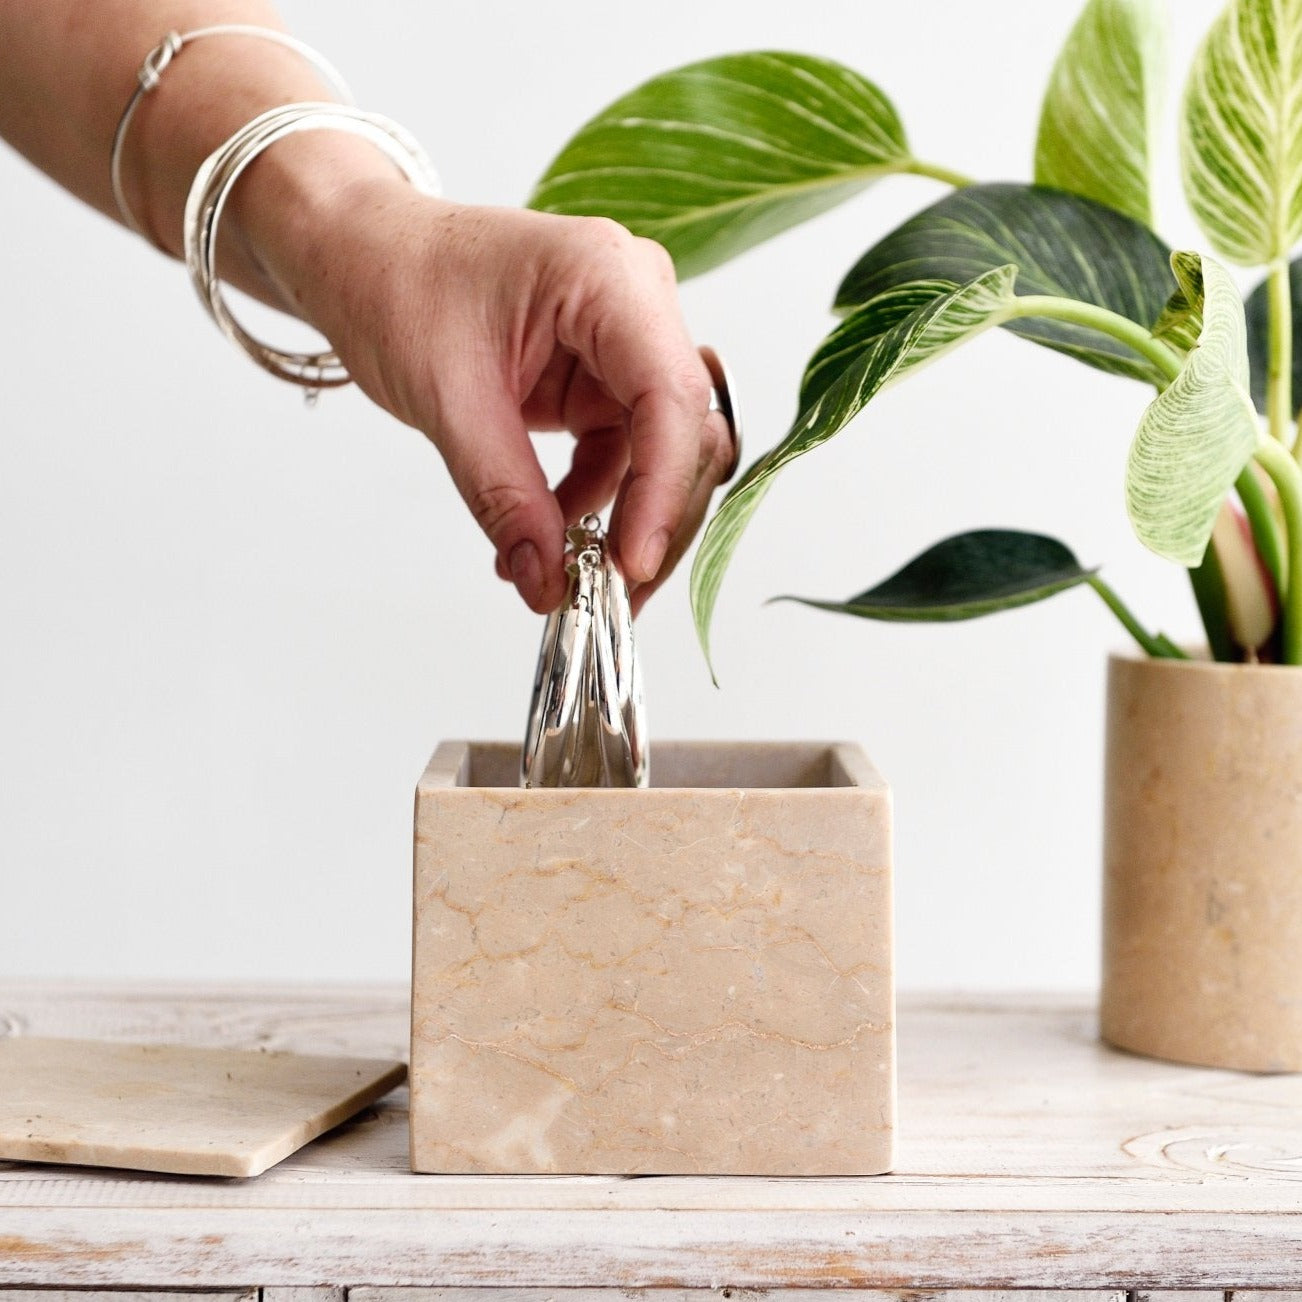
[586, 717]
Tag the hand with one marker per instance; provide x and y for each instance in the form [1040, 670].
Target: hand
[477, 325]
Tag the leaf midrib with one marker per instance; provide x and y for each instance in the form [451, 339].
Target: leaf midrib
[1280, 145]
[774, 193]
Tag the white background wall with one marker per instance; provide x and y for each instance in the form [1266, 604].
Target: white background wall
[233, 628]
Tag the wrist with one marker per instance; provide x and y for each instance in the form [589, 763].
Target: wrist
[287, 211]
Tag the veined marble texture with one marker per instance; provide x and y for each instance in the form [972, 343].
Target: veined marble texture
[691, 978]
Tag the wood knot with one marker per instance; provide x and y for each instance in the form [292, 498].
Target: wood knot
[1235, 1152]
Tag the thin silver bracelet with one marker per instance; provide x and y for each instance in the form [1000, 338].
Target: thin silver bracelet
[151, 72]
[217, 176]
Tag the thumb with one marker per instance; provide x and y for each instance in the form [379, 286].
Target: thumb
[496, 471]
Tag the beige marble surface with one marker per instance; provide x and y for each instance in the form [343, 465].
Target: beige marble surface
[1202, 889]
[684, 979]
[174, 1108]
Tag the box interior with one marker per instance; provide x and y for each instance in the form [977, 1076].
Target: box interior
[689, 764]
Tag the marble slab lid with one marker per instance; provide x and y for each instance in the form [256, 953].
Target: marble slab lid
[166, 1107]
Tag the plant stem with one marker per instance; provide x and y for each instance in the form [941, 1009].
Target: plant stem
[1279, 371]
[938, 173]
[1157, 646]
[1265, 529]
[1287, 477]
[1107, 322]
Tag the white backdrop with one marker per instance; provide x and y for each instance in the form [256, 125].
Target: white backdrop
[234, 628]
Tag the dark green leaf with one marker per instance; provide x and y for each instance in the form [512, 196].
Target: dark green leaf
[937, 326]
[715, 157]
[965, 576]
[1208, 581]
[1061, 244]
[1258, 314]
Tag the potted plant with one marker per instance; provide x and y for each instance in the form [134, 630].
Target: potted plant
[1203, 913]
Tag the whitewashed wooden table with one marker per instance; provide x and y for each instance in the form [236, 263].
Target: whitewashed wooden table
[1031, 1157]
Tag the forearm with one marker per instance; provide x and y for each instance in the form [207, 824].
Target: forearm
[473, 325]
[69, 68]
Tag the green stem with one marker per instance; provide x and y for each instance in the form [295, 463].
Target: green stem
[938, 173]
[1107, 322]
[1287, 477]
[1279, 370]
[1158, 646]
[1265, 528]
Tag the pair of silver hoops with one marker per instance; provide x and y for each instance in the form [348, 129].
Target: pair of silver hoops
[586, 719]
[587, 715]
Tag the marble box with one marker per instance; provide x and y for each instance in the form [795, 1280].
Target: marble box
[691, 978]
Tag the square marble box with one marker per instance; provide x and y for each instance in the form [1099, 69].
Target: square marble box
[691, 978]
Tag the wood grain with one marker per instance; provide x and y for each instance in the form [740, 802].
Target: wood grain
[126, 1295]
[1031, 1157]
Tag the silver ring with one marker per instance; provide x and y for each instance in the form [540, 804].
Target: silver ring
[586, 718]
[723, 400]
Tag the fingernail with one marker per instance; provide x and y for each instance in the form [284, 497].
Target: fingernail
[654, 552]
[526, 570]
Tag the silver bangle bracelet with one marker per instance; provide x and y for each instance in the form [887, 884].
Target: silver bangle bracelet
[151, 72]
[212, 186]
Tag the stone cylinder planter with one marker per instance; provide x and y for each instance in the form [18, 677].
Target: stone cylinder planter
[692, 978]
[1202, 947]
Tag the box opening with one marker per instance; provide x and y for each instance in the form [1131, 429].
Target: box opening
[680, 764]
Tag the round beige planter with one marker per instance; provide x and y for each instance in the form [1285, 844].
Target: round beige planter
[1202, 913]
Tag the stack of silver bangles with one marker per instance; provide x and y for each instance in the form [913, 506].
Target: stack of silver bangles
[220, 171]
[212, 186]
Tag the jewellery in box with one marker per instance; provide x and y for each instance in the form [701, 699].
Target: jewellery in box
[586, 719]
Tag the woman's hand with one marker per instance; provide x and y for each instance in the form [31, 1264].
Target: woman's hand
[472, 324]
[477, 325]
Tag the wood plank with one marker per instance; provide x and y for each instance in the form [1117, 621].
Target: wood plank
[1031, 1157]
[1070, 1125]
[125, 1295]
[624, 1250]
[1188, 1295]
[372, 1294]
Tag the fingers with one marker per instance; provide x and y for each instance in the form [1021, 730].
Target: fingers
[597, 469]
[498, 475]
[717, 456]
[627, 329]
[554, 322]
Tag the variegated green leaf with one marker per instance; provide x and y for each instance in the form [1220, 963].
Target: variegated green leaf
[712, 158]
[1098, 124]
[966, 576]
[938, 325]
[1062, 244]
[1200, 431]
[1241, 142]
[1181, 321]
[861, 327]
